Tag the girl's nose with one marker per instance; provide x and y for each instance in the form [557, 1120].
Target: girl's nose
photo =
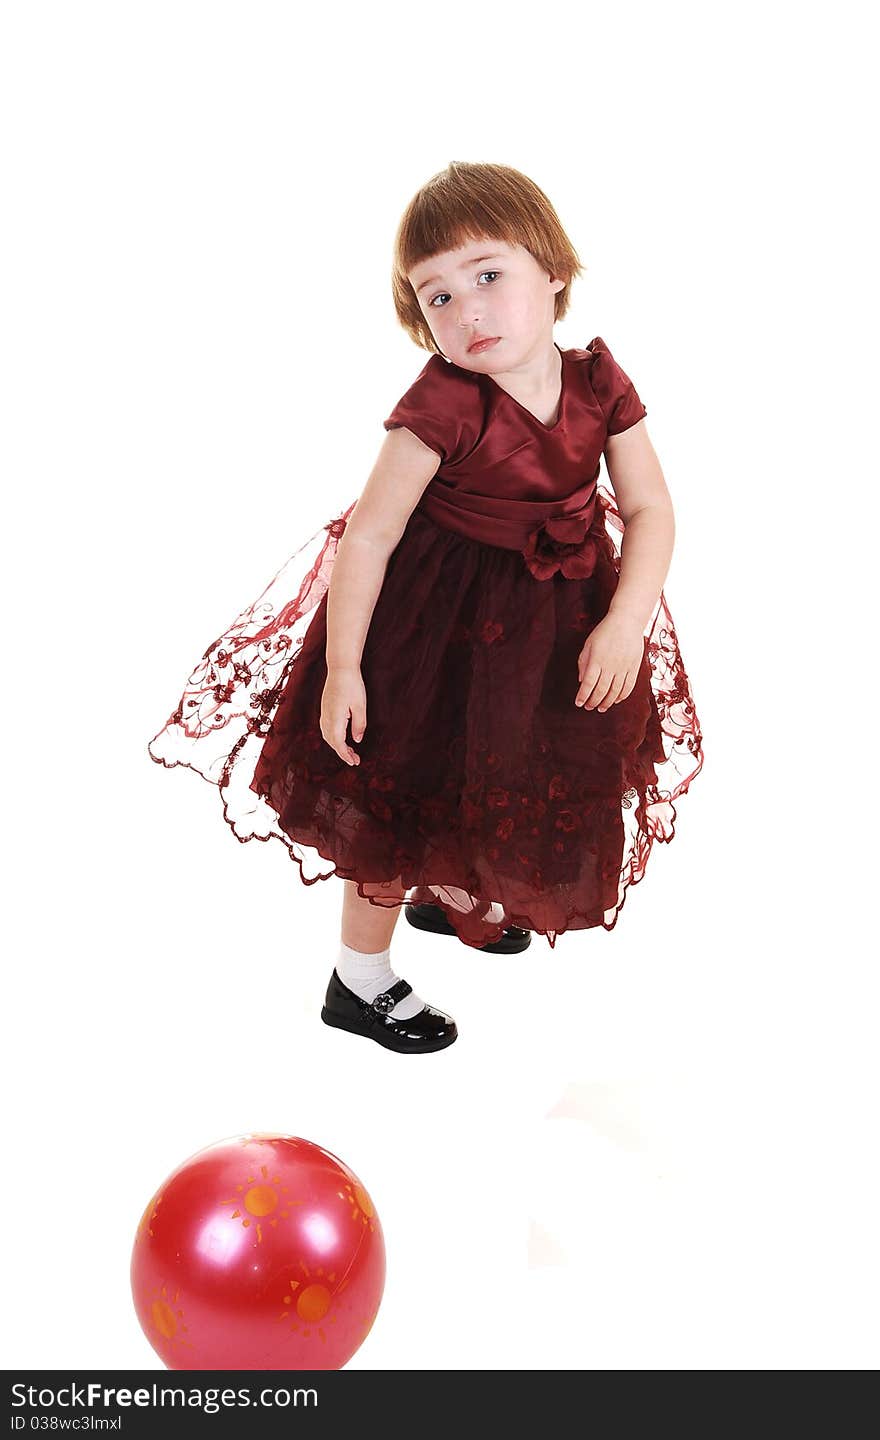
[469, 314]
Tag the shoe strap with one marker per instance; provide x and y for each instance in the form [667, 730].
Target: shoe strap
[385, 1002]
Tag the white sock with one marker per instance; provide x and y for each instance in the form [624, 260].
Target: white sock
[369, 975]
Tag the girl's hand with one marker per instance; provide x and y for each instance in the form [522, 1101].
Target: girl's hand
[344, 695]
[609, 663]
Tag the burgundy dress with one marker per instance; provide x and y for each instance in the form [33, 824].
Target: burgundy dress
[480, 779]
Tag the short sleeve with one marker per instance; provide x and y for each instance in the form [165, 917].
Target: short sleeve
[443, 408]
[614, 390]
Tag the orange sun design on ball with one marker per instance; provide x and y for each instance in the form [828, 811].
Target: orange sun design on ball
[261, 1199]
[145, 1224]
[361, 1205]
[309, 1302]
[167, 1317]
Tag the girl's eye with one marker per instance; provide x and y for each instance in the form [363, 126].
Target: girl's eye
[443, 292]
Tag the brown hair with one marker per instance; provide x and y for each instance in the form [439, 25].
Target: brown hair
[465, 202]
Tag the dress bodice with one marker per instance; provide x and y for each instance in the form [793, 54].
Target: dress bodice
[502, 470]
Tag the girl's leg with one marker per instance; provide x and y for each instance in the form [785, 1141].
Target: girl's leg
[364, 963]
[367, 927]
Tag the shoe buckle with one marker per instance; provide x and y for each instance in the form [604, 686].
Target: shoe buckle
[383, 1003]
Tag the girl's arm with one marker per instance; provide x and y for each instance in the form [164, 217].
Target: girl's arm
[645, 507]
[403, 469]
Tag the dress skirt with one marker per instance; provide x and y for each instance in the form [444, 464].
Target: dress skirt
[481, 784]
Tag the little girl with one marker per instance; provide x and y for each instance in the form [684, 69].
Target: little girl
[456, 695]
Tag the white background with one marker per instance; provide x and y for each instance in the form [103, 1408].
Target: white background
[652, 1148]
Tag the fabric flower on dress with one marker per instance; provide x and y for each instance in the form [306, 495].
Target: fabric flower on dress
[562, 543]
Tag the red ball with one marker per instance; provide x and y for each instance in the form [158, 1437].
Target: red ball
[263, 1252]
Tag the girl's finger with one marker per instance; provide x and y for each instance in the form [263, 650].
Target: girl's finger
[602, 690]
[612, 696]
[601, 696]
[589, 680]
[593, 688]
[629, 684]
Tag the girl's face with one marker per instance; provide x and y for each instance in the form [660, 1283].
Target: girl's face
[487, 289]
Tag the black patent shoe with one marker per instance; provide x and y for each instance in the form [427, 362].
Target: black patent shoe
[432, 917]
[429, 1030]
